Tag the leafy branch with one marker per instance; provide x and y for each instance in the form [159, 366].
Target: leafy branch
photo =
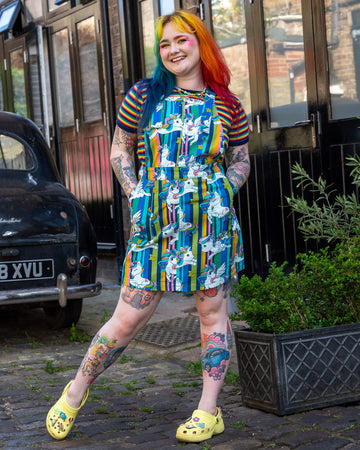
[330, 216]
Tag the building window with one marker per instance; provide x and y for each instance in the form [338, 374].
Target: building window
[148, 21]
[33, 9]
[167, 7]
[228, 19]
[52, 7]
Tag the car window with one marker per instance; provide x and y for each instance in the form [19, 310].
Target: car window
[14, 155]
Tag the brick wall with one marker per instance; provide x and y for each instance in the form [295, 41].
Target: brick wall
[116, 50]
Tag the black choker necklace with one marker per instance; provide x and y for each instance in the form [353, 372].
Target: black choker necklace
[199, 94]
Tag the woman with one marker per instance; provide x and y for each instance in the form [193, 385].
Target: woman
[185, 235]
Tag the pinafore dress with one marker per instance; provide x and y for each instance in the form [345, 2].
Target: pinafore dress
[185, 235]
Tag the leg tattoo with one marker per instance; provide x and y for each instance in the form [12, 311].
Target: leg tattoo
[137, 298]
[213, 292]
[101, 354]
[215, 352]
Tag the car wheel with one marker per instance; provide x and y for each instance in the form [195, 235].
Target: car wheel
[58, 317]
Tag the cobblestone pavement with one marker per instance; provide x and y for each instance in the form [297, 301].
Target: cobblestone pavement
[141, 399]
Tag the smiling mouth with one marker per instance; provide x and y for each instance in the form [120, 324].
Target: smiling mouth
[178, 58]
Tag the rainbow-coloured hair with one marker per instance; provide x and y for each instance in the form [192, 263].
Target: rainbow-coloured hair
[215, 71]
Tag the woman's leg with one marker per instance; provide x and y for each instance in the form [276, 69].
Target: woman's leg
[216, 343]
[134, 309]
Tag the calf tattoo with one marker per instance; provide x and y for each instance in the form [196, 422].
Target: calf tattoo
[103, 352]
[215, 353]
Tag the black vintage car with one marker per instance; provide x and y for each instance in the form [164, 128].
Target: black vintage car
[47, 243]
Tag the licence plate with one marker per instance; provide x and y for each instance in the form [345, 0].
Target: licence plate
[26, 270]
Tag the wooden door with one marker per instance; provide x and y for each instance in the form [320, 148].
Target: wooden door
[77, 60]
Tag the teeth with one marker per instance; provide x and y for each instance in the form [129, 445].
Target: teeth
[178, 59]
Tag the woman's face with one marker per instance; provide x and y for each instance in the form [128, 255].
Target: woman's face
[179, 52]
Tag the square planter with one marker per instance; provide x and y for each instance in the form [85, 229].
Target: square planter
[293, 372]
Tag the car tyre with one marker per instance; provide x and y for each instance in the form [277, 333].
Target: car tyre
[58, 317]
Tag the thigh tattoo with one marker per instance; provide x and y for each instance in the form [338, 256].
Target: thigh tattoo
[137, 298]
[213, 292]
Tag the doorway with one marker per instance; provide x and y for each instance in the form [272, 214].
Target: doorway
[82, 119]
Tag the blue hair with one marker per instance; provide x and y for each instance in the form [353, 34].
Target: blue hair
[159, 87]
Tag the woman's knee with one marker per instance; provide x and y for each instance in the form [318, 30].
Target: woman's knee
[211, 304]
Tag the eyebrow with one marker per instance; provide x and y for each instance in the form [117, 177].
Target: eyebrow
[175, 37]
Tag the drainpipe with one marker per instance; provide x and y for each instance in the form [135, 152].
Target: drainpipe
[39, 31]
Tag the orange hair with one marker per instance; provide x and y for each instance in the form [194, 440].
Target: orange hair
[215, 71]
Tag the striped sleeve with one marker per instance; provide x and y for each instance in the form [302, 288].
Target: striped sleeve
[130, 109]
[234, 122]
[239, 131]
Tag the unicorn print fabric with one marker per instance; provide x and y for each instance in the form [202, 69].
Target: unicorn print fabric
[185, 235]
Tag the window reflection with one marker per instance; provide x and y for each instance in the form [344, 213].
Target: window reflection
[89, 70]
[13, 154]
[18, 81]
[343, 44]
[63, 78]
[52, 6]
[285, 61]
[230, 33]
[148, 21]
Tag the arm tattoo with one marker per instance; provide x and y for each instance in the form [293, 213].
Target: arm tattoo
[122, 159]
[238, 165]
[123, 167]
[122, 138]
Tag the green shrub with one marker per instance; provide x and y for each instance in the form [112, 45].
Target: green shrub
[330, 216]
[323, 289]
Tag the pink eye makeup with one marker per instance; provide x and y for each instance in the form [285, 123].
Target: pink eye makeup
[179, 40]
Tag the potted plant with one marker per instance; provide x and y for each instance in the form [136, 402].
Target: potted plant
[302, 348]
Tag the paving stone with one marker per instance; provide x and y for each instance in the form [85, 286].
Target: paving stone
[238, 444]
[327, 444]
[272, 434]
[301, 438]
[7, 427]
[353, 433]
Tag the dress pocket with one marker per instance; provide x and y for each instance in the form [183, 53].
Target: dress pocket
[230, 188]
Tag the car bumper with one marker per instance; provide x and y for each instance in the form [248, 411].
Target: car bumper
[60, 293]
